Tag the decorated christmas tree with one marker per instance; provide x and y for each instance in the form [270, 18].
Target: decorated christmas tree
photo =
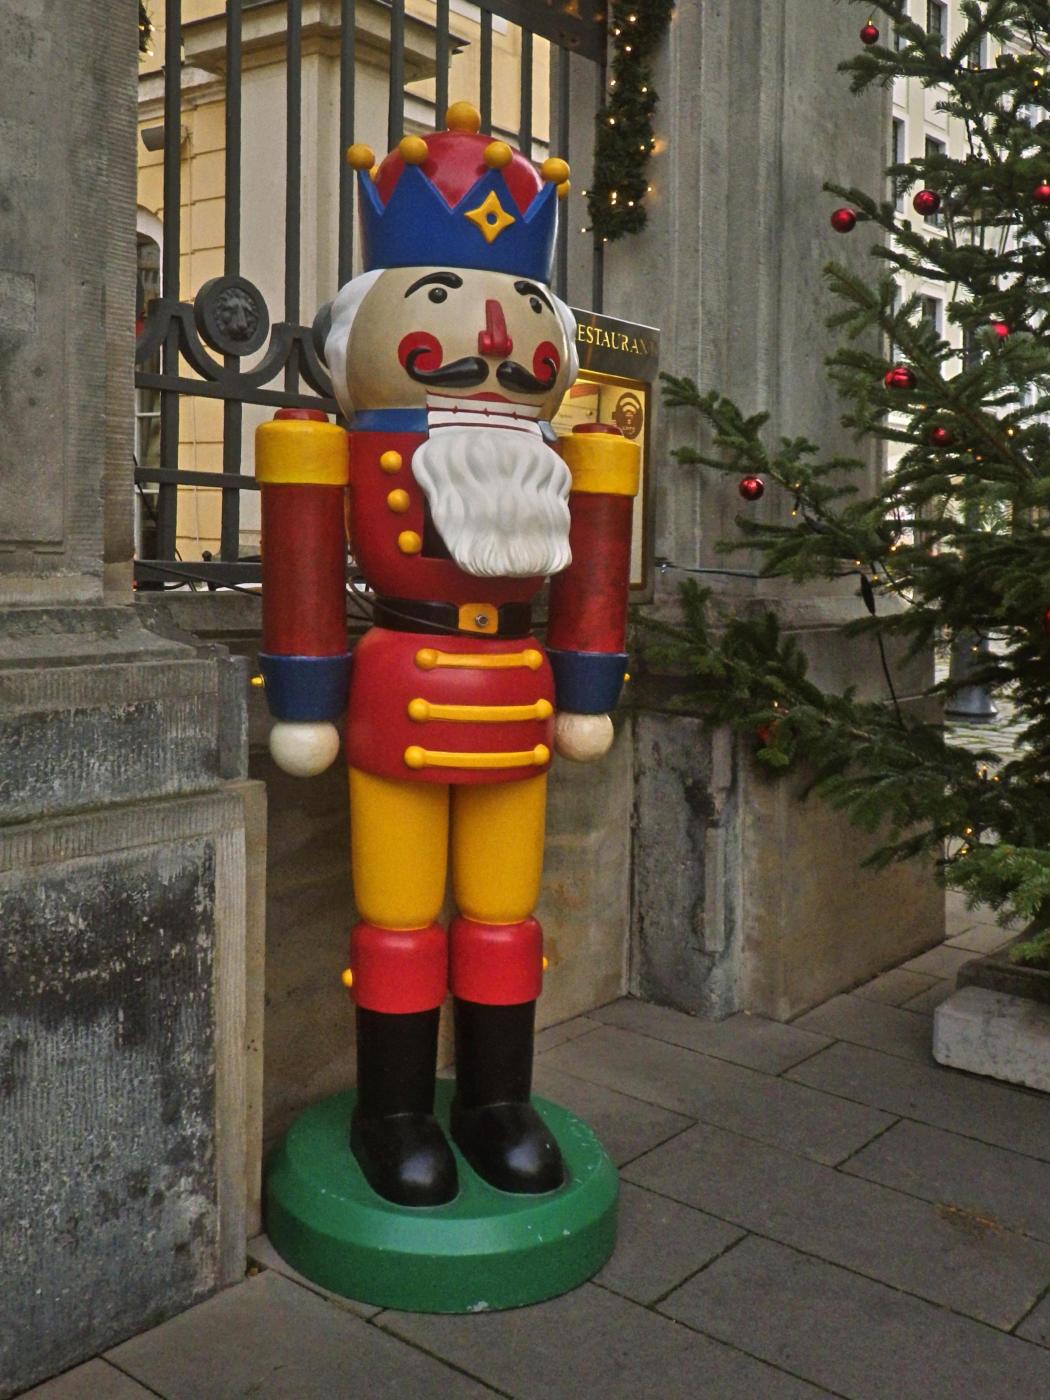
[952, 546]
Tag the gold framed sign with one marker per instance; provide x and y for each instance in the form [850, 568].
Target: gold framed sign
[618, 367]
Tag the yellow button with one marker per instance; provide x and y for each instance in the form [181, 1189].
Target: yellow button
[546, 964]
[390, 461]
[347, 978]
[398, 501]
[408, 542]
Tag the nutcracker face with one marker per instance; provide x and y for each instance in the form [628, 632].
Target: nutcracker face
[474, 345]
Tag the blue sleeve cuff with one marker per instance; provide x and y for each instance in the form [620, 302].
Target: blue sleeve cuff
[587, 682]
[305, 687]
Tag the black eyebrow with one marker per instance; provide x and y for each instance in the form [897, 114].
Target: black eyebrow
[446, 279]
[525, 288]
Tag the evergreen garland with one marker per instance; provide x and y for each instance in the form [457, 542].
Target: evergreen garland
[145, 29]
[624, 136]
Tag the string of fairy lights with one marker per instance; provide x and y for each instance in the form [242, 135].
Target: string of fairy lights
[624, 138]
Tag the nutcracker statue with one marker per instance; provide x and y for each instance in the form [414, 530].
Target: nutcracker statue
[448, 356]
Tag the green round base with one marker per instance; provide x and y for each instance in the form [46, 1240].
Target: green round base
[486, 1249]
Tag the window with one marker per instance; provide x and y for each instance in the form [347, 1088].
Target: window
[937, 21]
[933, 313]
[898, 153]
[147, 401]
[977, 53]
[934, 148]
[899, 41]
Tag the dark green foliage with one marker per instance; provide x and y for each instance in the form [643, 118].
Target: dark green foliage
[954, 541]
[624, 135]
[145, 29]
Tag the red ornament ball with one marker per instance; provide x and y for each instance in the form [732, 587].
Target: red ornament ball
[843, 221]
[752, 488]
[926, 202]
[1001, 329]
[869, 34]
[1046, 622]
[899, 377]
[1041, 193]
[940, 437]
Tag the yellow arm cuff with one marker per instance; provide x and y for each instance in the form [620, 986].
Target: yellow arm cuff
[602, 463]
[300, 452]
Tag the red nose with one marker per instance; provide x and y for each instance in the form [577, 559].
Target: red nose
[494, 340]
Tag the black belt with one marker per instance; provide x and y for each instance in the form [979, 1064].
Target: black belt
[417, 615]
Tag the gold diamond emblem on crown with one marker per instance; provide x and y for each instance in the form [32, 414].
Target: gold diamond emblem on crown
[490, 217]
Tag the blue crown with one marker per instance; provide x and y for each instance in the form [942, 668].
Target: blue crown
[484, 229]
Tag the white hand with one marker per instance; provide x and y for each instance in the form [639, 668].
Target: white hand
[304, 747]
[582, 738]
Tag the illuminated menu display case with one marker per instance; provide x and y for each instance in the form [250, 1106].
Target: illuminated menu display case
[618, 368]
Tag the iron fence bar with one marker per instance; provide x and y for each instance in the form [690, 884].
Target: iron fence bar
[525, 124]
[347, 96]
[395, 117]
[293, 178]
[486, 70]
[598, 261]
[441, 80]
[561, 148]
[144, 475]
[232, 413]
[167, 495]
[203, 389]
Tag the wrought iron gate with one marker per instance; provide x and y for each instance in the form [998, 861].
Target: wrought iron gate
[229, 319]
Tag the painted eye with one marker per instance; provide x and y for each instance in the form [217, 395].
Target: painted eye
[437, 294]
[536, 304]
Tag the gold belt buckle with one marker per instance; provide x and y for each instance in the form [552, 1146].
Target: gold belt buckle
[479, 617]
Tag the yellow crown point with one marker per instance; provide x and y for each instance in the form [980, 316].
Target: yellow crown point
[347, 978]
[498, 154]
[463, 116]
[554, 170]
[413, 150]
[546, 964]
[360, 157]
[258, 681]
[374, 172]
[563, 189]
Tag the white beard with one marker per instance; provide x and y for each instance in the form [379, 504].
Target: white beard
[499, 499]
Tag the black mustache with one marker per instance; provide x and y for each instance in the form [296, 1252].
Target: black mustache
[517, 378]
[463, 374]
[471, 371]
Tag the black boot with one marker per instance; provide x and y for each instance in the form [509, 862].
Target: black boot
[394, 1134]
[493, 1123]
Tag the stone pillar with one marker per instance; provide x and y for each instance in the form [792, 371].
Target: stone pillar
[760, 905]
[124, 935]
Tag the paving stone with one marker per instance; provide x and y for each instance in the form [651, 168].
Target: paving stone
[97, 1379]
[1012, 1118]
[851, 1334]
[753, 1041]
[942, 961]
[981, 938]
[1036, 1327]
[771, 1110]
[591, 1342]
[872, 1023]
[927, 1002]
[565, 1030]
[262, 1252]
[625, 1127]
[272, 1340]
[660, 1242]
[993, 1275]
[895, 986]
[995, 1034]
[995, 1187]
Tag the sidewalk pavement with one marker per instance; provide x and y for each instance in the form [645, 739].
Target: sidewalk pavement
[807, 1210]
